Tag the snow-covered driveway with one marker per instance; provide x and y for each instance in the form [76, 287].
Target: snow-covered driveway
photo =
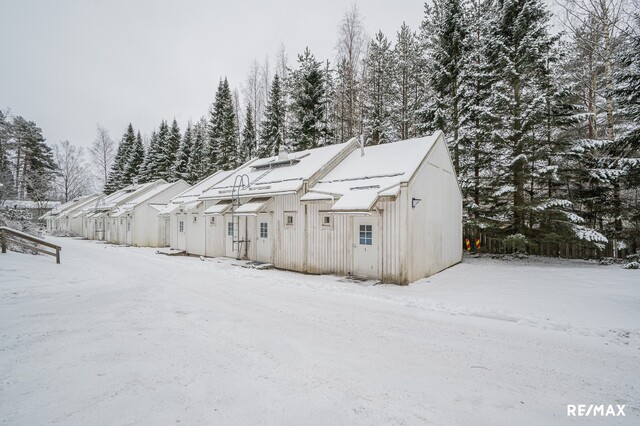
[119, 335]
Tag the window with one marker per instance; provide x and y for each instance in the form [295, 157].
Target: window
[366, 235]
[212, 220]
[195, 218]
[128, 225]
[326, 220]
[289, 220]
[264, 230]
[230, 229]
[120, 221]
[181, 226]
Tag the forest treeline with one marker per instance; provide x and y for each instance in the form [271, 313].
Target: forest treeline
[543, 126]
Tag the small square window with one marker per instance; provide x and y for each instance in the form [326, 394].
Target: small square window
[230, 229]
[181, 226]
[195, 218]
[366, 235]
[289, 220]
[326, 220]
[264, 230]
[212, 220]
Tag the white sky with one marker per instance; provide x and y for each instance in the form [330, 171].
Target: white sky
[69, 65]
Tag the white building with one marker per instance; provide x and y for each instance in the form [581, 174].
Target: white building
[255, 213]
[391, 212]
[96, 216]
[66, 217]
[183, 218]
[137, 222]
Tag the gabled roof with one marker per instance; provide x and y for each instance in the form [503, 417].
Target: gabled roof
[125, 194]
[278, 174]
[359, 179]
[72, 206]
[158, 187]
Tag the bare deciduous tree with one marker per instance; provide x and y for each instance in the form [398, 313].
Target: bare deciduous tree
[73, 177]
[102, 153]
[350, 46]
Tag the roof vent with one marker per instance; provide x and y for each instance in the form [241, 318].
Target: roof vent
[283, 154]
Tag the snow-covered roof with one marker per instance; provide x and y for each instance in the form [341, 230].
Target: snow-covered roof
[125, 194]
[278, 175]
[218, 208]
[359, 179]
[73, 206]
[199, 188]
[158, 188]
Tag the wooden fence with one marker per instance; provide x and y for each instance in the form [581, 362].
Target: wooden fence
[8, 235]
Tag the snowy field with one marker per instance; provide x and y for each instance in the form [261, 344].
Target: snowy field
[123, 336]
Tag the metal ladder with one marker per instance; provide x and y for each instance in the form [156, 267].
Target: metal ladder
[240, 182]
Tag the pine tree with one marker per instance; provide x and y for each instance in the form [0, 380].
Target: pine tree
[198, 163]
[248, 147]
[223, 131]
[118, 177]
[379, 92]
[408, 59]
[272, 133]
[307, 94]
[169, 152]
[150, 170]
[182, 159]
[444, 31]
[519, 47]
[135, 160]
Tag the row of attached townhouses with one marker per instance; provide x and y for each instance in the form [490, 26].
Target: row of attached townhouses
[391, 212]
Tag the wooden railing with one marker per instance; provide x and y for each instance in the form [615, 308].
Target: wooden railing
[27, 241]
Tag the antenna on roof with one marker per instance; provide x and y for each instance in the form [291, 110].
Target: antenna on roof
[361, 145]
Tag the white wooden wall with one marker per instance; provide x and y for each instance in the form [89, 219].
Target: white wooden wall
[435, 224]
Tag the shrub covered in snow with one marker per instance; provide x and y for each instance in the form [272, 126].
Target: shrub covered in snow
[516, 242]
[631, 265]
[20, 221]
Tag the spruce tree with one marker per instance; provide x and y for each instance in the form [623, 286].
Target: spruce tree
[135, 160]
[151, 167]
[182, 159]
[118, 178]
[444, 31]
[248, 147]
[223, 132]
[307, 95]
[197, 166]
[519, 46]
[407, 84]
[378, 92]
[272, 128]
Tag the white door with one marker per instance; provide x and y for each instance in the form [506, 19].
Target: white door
[167, 232]
[182, 231]
[264, 238]
[129, 231]
[366, 247]
[228, 235]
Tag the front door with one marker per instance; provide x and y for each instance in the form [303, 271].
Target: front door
[167, 232]
[366, 247]
[129, 231]
[182, 231]
[229, 247]
[264, 238]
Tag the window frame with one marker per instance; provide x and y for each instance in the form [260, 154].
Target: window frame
[181, 226]
[365, 235]
[264, 231]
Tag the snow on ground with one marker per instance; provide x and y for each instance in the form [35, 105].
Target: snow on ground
[119, 335]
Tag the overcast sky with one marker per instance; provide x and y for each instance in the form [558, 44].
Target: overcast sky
[70, 65]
